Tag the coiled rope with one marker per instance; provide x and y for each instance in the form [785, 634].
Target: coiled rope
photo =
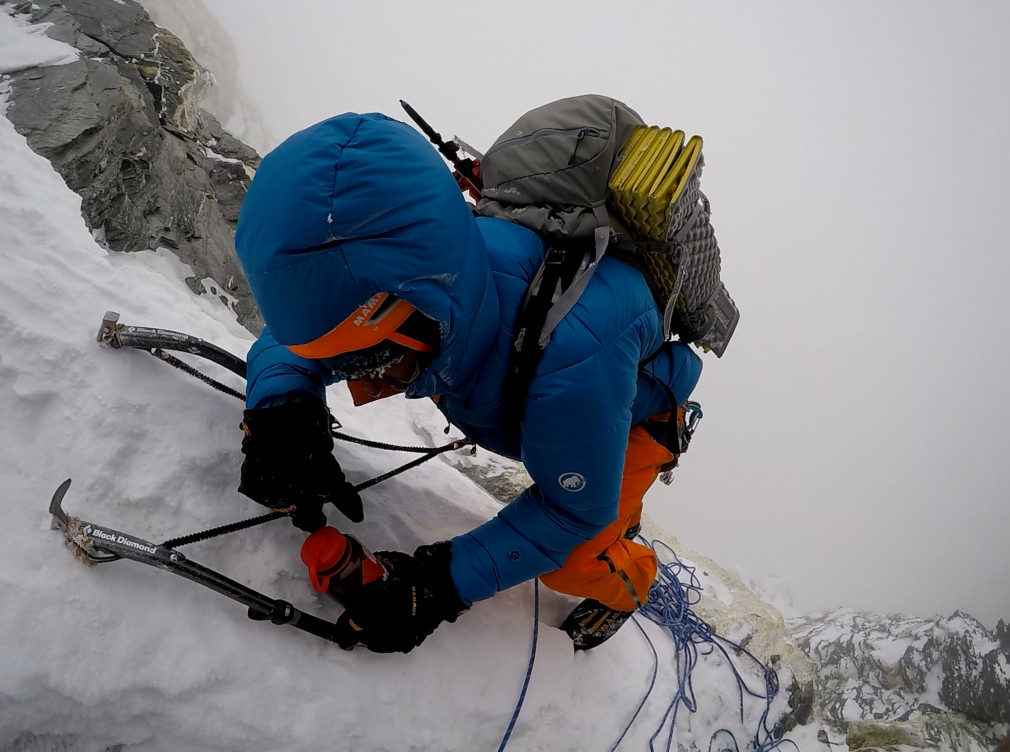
[674, 592]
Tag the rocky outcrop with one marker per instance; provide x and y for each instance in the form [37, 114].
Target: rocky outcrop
[935, 732]
[124, 128]
[210, 43]
[891, 682]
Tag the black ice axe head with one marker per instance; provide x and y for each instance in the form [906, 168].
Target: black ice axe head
[75, 533]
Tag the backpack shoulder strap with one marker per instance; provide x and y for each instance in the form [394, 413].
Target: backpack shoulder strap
[554, 291]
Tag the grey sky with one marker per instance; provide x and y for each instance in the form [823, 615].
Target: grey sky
[857, 165]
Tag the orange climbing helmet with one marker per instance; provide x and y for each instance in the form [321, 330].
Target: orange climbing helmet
[379, 319]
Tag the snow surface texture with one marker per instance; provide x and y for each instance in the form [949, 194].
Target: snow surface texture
[28, 46]
[128, 657]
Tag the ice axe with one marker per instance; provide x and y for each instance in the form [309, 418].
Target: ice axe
[98, 544]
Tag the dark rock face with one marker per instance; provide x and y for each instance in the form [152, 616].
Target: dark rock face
[123, 127]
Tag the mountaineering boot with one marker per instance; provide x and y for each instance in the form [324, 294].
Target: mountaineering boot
[591, 623]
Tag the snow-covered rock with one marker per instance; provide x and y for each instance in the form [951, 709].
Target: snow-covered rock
[123, 125]
[941, 683]
[211, 44]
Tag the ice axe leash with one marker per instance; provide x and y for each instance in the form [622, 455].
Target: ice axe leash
[117, 335]
[271, 516]
[157, 341]
[97, 544]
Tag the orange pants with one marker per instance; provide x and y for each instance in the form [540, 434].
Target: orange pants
[615, 571]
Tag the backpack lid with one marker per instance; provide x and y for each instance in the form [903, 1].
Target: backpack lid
[550, 169]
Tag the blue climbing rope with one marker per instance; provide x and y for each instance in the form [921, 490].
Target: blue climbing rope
[652, 684]
[529, 667]
[675, 591]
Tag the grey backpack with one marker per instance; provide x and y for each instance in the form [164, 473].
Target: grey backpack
[550, 172]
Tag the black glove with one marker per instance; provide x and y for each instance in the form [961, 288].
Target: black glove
[395, 614]
[289, 463]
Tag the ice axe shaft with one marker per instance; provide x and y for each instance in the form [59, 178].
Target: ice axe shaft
[117, 335]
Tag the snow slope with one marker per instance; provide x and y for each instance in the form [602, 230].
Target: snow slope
[122, 654]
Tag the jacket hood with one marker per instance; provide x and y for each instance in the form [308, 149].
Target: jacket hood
[360, 204]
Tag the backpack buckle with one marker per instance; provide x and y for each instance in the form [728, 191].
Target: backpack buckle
[555, 256]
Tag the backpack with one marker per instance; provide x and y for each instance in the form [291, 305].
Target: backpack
[590, 177]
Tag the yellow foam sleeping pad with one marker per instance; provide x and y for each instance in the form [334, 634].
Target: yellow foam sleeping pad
[652, 179]
[652, 190]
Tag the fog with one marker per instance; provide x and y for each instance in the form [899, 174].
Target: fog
[854, 433]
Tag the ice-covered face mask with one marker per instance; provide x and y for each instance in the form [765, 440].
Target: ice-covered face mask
[371, 360]
[389, 380]
[393, 378]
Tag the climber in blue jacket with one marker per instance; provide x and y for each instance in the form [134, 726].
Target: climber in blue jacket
[369, 267]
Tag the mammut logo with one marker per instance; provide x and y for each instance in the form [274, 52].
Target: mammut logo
[366, 310]
[572, 482]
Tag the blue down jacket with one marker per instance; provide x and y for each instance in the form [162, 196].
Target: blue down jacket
[359, 204]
